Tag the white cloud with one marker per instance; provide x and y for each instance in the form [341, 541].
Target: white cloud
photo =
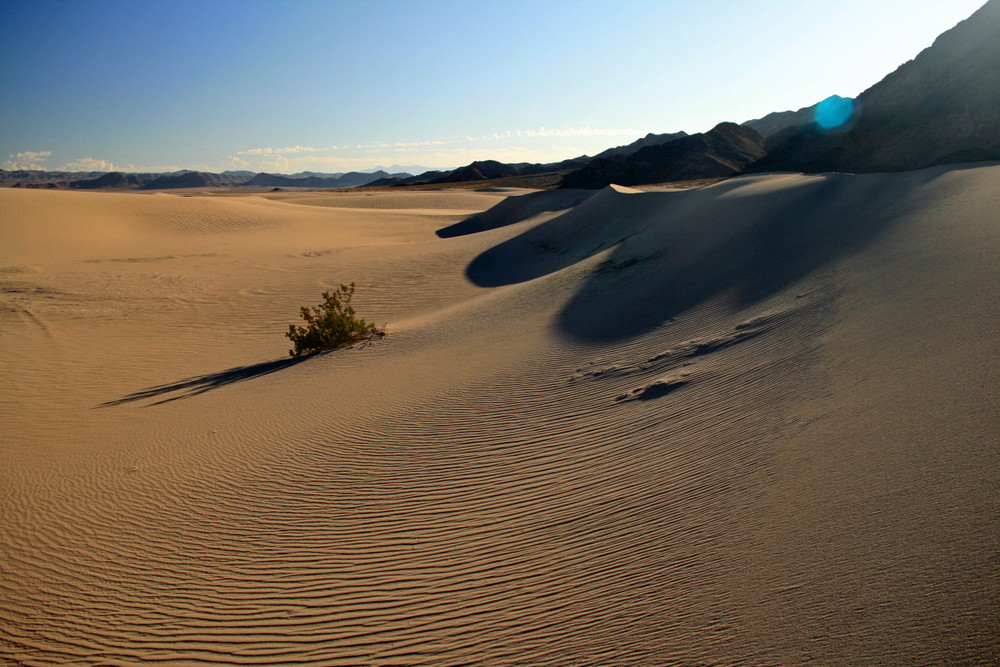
[91, 164]
[457, 155]
[576, 132]
[402, 144]
[555, 132]
[542, 144]
[270, 152]
[436, 152]
[236, 163]
[285, 150]
[162, 168]
[25, 160]
[278, 164]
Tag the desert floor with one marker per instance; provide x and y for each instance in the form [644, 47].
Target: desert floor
[755, 423]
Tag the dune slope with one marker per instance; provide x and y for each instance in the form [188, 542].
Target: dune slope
[754, 423]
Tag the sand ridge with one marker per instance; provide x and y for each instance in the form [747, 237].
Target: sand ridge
[432, 200]
[745, 424]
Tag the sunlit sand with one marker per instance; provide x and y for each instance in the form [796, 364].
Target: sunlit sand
[753, 423]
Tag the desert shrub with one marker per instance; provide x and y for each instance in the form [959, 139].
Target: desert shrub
[331, 324]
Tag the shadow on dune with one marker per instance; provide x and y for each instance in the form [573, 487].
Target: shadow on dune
[515, 209]
[200, 384]
[745, 239]
[604, 219]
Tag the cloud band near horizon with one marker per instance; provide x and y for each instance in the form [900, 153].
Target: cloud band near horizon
[452, 151]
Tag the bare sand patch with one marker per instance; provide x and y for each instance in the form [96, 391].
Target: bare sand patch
[466, 201]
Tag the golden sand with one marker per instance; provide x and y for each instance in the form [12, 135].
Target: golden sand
[754, 423]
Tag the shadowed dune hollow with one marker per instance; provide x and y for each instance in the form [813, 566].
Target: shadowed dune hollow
[695, 245]
[753, 423]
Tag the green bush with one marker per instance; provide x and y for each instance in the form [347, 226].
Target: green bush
[331, 324]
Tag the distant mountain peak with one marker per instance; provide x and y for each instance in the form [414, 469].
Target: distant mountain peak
[186, 178]
[775, 122]
[724, 150]
[650, 139]
[941, 106]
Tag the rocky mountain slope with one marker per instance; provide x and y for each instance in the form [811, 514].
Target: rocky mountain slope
[648, 140]
[724, 150]
[775, 122]
[943, 106]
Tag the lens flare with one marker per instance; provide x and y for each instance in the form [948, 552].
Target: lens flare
[834, 112]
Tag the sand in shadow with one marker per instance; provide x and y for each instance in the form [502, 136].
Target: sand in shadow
[606, 218]
[200, 384]
[747, 239]
[515, 209]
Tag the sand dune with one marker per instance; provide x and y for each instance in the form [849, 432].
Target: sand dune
[468, 201]
[754, 423]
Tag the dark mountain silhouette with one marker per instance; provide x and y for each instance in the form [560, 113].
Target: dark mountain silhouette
[183, 179]
[319, 174]
[488, 170]
[943, 106]
[724, 150]
[648, 140]
[777, 121]
[419, 179]
[480, 171]
[399, 168]
[25, 178]
[114, 180]
[349, 180]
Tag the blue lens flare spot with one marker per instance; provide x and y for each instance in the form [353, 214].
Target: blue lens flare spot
[834, 112]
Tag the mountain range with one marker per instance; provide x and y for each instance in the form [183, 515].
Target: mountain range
[941, 107]
[188, 179]
[775, 122]
[725, 150]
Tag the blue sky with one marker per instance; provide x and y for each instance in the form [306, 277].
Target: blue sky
[343, 85]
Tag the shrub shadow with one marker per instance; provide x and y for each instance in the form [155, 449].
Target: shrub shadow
[193, 386]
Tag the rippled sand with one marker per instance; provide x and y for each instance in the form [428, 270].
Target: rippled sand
[754, 423]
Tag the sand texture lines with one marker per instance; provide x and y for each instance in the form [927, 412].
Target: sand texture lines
[753, 423]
